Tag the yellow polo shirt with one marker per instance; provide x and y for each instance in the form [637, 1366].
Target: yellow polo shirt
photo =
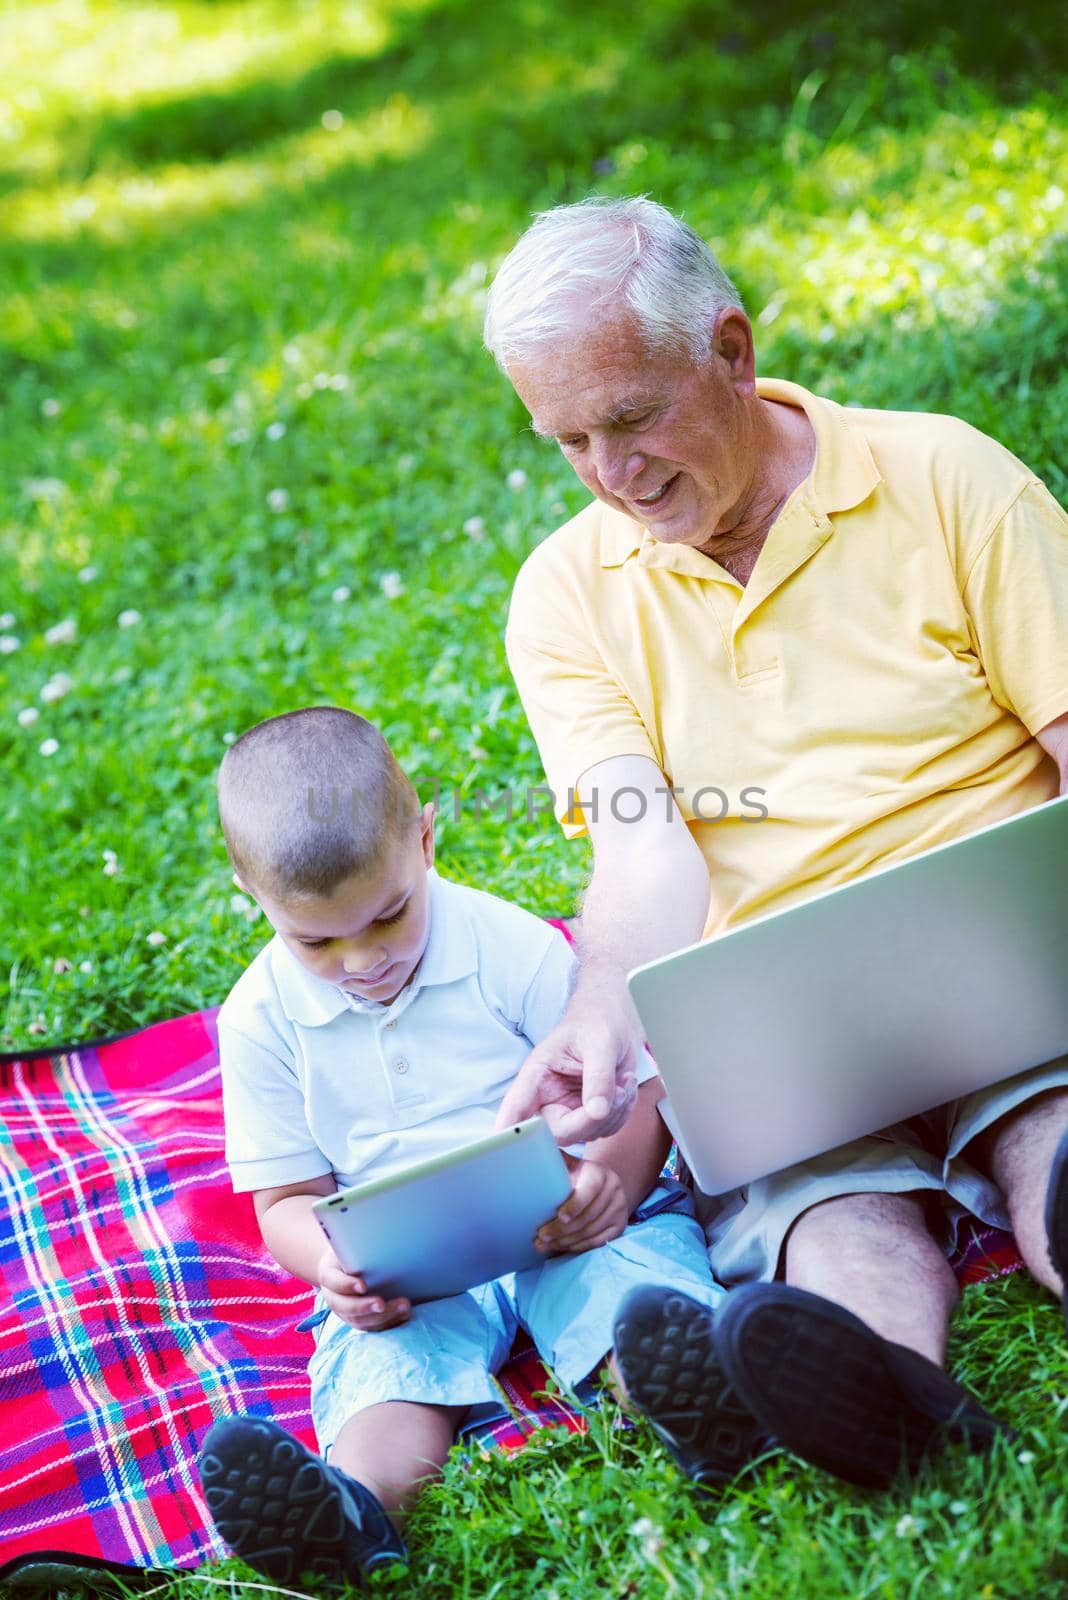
[874, 688]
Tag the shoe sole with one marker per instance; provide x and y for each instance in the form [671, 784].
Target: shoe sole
[277, 1505]
[666, 1353]
[834, 1392]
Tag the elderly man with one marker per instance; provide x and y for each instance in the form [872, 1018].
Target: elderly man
[853, 625]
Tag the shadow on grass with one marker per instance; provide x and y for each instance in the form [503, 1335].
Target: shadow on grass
[747, 57]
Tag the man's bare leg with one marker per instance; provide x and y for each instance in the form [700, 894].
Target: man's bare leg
[874, 1254]
[1017, 1152]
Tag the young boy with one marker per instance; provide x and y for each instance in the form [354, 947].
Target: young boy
[382, 1024]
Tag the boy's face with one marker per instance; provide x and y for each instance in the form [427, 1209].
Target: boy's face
[369, 935]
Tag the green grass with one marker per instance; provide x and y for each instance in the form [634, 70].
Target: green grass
[244, 249]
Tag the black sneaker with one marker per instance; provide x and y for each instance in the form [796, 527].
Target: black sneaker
[836, 1393]
[667, 1358]
[284, 1511]
[1057, 1218]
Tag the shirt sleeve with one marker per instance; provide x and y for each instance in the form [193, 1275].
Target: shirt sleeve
[1016, 594]
[577, 709]
[268, 1141]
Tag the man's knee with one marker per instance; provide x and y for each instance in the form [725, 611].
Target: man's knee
[868, 1221]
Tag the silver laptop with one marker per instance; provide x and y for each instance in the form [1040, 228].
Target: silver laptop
[867, 1004]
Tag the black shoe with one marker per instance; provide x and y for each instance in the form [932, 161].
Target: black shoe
[836, 1393]
[1057, 1218]
[667, 1358]
[284, 1511]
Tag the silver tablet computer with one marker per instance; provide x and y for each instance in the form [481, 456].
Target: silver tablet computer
[443, 1225]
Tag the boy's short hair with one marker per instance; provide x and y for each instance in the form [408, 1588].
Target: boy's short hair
[310, 799]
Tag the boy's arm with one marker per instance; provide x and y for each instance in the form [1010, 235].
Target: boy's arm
[293, 1236]
[288, 1228]
[636, 1154]
[612, 1179]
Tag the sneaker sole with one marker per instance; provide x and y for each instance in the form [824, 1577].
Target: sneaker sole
[834, 1392]
[277, 1506]
[667, 1356]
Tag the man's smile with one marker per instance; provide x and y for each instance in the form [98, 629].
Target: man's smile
[648, 501]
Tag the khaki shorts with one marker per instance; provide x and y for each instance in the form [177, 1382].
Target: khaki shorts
[746, 1228]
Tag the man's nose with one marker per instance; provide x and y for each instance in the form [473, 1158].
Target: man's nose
[618, 463]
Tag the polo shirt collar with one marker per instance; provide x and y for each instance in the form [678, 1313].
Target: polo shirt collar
[843, 475]
[451, 953]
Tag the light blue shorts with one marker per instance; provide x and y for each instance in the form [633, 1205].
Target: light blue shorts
[448, 1351]
[746, 1229]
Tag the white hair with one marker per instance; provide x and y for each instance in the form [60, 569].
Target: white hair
[578, 257]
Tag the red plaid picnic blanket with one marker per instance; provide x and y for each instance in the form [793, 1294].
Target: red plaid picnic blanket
[139, 1304]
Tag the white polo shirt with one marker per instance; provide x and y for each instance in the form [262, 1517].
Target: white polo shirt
[316, 1080]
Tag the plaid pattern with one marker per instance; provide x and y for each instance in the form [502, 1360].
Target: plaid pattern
[138, 1304]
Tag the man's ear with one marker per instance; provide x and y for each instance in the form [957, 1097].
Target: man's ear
[732, 339]
[426, 832]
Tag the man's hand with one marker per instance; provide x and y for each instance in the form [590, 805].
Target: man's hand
[594, 1212]
[346, 1295]
[581, 1077]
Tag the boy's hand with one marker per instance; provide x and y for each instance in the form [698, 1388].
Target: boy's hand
[346, 1295]
[594, 1212]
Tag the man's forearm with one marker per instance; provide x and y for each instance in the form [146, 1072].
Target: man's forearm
[633, 912]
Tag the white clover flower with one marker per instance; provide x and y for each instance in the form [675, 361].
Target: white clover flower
[108, 855]
[906, 1527]
[391, 585]
[475, 528]
[85, 966]
[56, 687]
[218, 365]
[50, 407]
[111, 868]
[229, 738]
[516, 479]
[8, 644]
[278, 501]
[155, 938]
[64, 632]
[7, 619]
[28, 716]
[405, 463]
[339, 382]
[321, 380]
[238, 436]
[47, 489]
[49, 747]
[276, 430]
[242, 906]
[87, 574]
[341, 594]
[1026, 1457]
[129, 619]
[332, 121]
[61, 965]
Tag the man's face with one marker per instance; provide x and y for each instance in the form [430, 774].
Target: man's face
[368, 937]
[669, 443]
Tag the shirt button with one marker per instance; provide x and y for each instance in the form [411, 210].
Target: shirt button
[400, 1065]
